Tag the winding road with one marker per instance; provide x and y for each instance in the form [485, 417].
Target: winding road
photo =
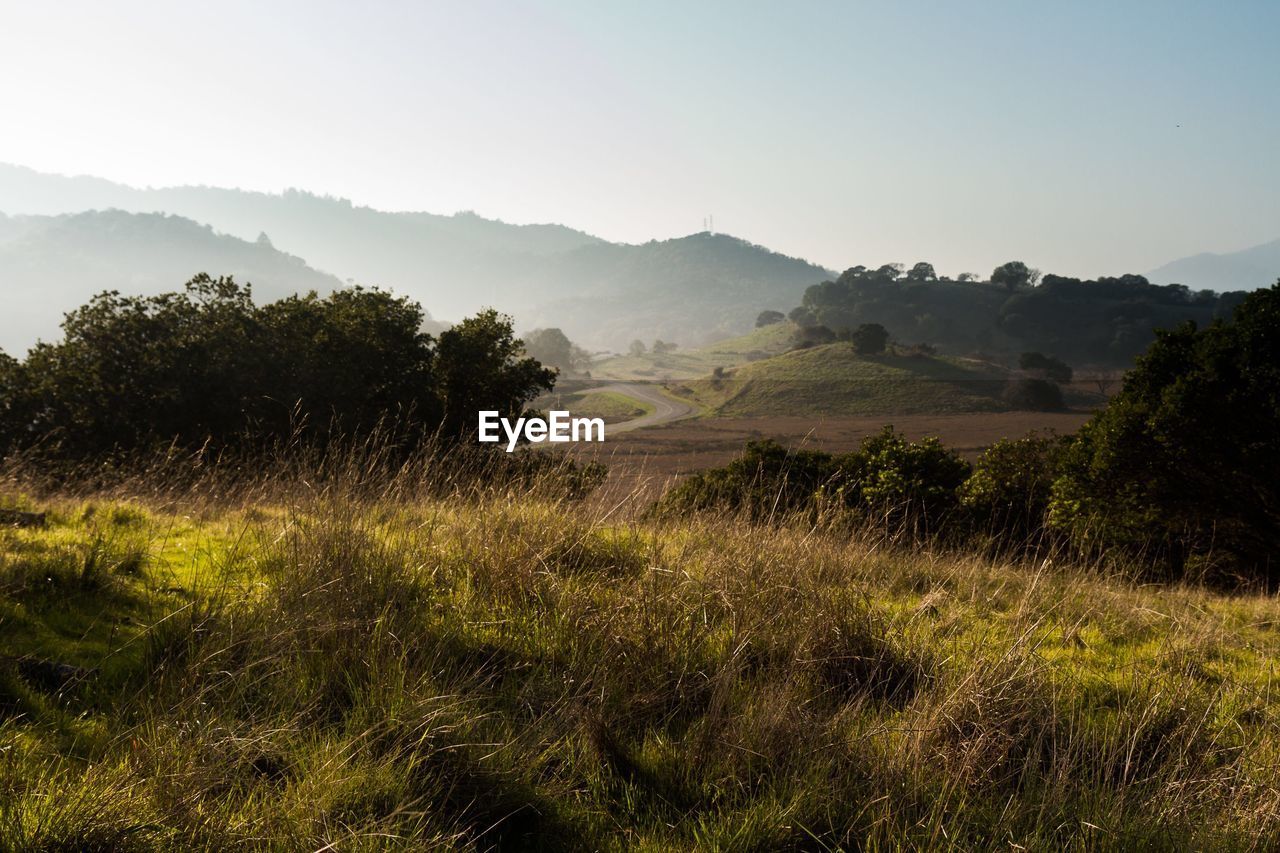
[665, 409]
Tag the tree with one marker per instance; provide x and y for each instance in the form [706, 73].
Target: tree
[967, 276]
[1045, 367]
[660, 347]
[769, 318]
[479, 365]
[923, 271]
[870, 339]
[637, 348]
[1015, 275]
[1185, 460]
[1033, 395]
[802, 316]
[553, 347]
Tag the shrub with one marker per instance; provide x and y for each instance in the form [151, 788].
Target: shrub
[812, 336]
[1007, 495]
[908, 482]
[767, 480]
[891, 479]
[1034, 395]
[1045, 367]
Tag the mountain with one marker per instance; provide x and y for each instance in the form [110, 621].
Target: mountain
[693, 290]
[1246, 269]
[603, 294]
[52, 264]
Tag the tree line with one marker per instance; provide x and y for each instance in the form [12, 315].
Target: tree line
[207, 367]
[1104, 321]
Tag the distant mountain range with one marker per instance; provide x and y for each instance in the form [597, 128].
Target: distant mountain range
[690, 290]
[1246, 269]
[52, 264]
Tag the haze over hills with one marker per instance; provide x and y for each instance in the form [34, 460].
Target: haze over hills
[1247, 269]
[690, 290]
[52, 264]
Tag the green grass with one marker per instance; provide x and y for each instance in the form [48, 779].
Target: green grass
[834, 380]
[610, 405]
[690, 364]
[504, 672]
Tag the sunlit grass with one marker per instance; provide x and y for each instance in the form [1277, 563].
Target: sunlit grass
[506, 671]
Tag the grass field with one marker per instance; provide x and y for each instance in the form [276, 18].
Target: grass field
[834, 380]
[691, 364]
[759, 375]
[610, 405]
[336, 665]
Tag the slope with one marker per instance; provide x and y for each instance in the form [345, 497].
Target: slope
[52, 264]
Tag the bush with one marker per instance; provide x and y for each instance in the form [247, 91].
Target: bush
[1184, 463]
[907, 482]
[1045, 367]
[888, 478]
[767, 480]
[769, 318]
[1033, 395]
[1007, 495]
[870, 339]
[812, 336]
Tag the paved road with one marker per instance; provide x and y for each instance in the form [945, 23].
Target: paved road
[665, 409]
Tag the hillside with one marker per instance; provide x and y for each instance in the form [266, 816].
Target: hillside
[310, 673]
[52, 264]
[1247, 269]
[834, 380]
[699, 361]
[690, 290]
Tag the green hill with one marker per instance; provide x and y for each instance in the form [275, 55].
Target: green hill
[834, 380]
[756, 345]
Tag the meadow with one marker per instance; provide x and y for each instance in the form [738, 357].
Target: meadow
[352, 659]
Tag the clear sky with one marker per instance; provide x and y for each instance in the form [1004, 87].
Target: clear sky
[1082, 137]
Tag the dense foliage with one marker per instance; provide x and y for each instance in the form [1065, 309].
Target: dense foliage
[888, 478]
[870, 339]
[1107, 321]
[209, 367]
[1185, 461]
[1007, 496]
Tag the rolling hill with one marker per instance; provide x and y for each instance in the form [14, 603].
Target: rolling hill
[691, 290]
[52, 264]
[833, 380]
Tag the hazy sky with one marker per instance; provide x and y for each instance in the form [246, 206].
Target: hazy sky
[961, 133]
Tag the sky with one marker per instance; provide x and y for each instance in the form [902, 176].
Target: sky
[1085, 138]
